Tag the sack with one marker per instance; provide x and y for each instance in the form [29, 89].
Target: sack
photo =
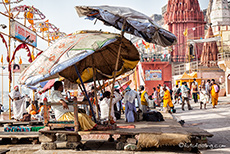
[117, 115]
[160, 116]
[26, 117]
[153, 116]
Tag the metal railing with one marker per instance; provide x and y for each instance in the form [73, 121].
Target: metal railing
[185, 67]
[223, 56]
[150, 57]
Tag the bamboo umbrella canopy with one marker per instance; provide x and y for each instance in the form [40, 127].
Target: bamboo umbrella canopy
[137, 23]
[85, 50]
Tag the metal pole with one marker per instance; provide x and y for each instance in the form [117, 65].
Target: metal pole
[82, 83]
[9, 63]
[115, 71]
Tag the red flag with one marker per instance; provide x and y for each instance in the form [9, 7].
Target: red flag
[137, 45]
[143, 42]
[154, 46]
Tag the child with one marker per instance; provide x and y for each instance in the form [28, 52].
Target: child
[203, 97]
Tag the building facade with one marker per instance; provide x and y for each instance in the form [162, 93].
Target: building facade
[184, 19]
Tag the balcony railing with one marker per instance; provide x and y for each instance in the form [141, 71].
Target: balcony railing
[149, 57]
[185, 67]
[223, 56]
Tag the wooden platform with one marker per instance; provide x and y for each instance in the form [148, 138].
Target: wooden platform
[18, 123]
[19, 135]
[3, 151]
[170, 126]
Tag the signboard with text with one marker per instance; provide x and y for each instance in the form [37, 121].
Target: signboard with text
[151, 75]
[21, 32]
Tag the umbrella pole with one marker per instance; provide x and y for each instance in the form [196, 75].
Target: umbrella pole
[104, 85]
[115, 71]
[83, 94]
[95, 88]
[120, 85]
[82, 83]
[100, 86]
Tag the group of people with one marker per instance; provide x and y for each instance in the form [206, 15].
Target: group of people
[205, 93]
[131, 99]
[24, 105]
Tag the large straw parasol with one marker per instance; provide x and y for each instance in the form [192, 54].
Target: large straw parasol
[82, 57]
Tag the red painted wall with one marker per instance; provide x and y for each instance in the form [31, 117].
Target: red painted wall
[166, 69]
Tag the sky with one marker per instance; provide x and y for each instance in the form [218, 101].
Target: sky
[62, 14]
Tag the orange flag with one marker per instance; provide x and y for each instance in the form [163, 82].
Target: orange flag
[29, 17]
[2, 59]
[20, 60]
[185, 32]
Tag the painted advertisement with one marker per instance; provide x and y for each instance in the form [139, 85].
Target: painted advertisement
[23, 33]
[153, 75]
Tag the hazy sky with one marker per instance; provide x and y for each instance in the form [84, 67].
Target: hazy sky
[62, 14]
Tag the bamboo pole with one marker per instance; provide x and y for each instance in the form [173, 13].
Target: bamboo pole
[76, 125]
[9, 39]
[2, 83]
[222, 41]
[24, 18]
[135, 78]
[104, 84]
[100, 86]
[115, 71]
[95, 87]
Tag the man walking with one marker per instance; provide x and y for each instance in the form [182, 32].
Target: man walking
[185, 94]
[214, 93]
[167, 101]
[208, 89]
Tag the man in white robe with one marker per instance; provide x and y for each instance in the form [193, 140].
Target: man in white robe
[19, 104]
[105, 103]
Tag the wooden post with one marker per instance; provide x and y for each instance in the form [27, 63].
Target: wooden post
[222, 41]
[9, 61]
[135, 78]
[2, 83]
[33, 95]
[95, 88]
[76, 126]
[104, 85]
[115, 71]
[100, 86]
[46, 114]
[25, 19]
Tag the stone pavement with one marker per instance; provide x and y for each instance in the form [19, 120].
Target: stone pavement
[215, 121]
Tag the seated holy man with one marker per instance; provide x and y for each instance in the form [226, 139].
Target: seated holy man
[65, 112]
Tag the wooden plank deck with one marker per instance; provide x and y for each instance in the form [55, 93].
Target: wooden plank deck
[18, 123]
[19, 135]
[3, 151]
[169, 126]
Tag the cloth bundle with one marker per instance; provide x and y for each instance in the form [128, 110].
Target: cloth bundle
[16, 129]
